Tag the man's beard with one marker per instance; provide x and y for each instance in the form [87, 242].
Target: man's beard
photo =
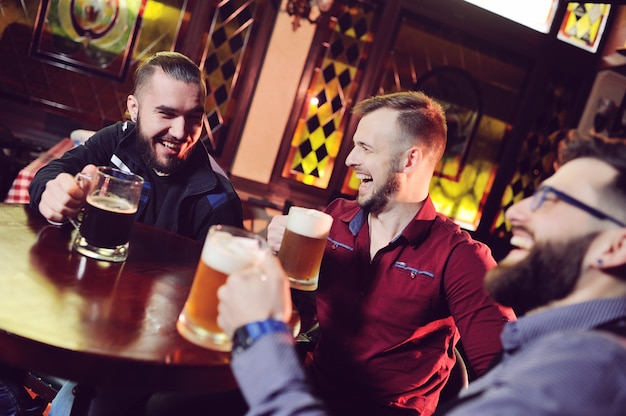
[548, 273]
[148, 155]
[380, 197]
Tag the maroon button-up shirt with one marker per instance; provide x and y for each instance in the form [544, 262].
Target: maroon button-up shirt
[389, 325]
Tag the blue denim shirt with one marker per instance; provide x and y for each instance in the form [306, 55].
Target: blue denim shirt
[556, 363]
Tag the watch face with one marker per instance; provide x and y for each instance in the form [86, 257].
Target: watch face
[241, 341]
[241, 336]
[246, 335]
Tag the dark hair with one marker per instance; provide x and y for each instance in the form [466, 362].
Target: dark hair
[611, 151]
[174, 64]
[560, 140]
[420, 118]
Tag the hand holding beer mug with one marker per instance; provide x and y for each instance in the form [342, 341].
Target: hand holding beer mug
[303, 246]
[112, 199]
[226, 250]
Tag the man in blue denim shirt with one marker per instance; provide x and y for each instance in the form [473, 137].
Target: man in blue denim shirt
[566, 276]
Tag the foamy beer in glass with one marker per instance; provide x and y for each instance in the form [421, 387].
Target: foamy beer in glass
[112, 200]
[226, 250]
[302, 247]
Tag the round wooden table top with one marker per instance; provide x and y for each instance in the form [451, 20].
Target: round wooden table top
[101, 323]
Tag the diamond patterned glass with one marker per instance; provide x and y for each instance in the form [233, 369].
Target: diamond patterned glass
[463, 179]
[230, 33]
[319, 131]
[583, 24]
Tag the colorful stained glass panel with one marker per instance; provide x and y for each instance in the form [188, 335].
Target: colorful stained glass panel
[319, 131]
[230, 33]
[583, 24]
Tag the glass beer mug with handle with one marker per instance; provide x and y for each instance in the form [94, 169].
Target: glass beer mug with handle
[226, 250]
[303, 245]
[112, 200]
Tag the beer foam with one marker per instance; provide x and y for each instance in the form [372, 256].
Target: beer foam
[309, 222]
[111, 203]
[227, 253]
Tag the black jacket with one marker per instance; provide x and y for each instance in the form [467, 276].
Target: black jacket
[200, 195]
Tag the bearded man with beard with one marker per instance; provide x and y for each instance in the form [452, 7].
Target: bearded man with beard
[185, 191]
[399, 283]
[566, 277]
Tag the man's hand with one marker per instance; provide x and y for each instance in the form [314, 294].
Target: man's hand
[64, 196]
[254, 294]
[275, 232]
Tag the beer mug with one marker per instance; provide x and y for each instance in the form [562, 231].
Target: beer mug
[303, 246]
[226, 250]
[112, 199]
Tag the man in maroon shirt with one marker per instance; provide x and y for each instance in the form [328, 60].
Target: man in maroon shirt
[399, 283]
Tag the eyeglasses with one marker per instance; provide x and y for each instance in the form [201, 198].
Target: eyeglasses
[539, 198]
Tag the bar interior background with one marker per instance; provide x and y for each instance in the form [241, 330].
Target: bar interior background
[283, 76]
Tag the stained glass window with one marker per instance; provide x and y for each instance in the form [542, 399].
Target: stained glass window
[319, 132]
[538, 152]
[230, 33]
[422, 52]
[583, 24]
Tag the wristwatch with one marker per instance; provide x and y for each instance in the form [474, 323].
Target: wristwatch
[245, 336]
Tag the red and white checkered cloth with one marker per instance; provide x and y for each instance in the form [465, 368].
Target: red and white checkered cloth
[18, 194]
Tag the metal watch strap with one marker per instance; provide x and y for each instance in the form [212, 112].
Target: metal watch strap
[245, 336]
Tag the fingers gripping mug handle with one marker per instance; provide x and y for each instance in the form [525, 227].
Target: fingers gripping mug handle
[79, 177]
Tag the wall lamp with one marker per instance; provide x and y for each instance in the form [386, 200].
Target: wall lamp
[301, 9]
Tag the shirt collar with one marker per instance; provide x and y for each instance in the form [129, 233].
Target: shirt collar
[582, 316]
[357, 217]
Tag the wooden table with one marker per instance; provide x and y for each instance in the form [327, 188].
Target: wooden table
[99, 323]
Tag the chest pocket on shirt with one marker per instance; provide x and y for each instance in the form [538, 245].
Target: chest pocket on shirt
[334, 245]
[402, 268]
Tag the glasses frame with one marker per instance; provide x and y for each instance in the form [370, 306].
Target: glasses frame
[539, 198]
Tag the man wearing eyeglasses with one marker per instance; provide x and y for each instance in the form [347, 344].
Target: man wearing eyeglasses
[566, 278]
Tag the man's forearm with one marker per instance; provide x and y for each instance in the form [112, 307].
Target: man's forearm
[272, 379]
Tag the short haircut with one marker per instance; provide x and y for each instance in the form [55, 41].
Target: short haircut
[174, 64]
[420, 119]
[610, 151]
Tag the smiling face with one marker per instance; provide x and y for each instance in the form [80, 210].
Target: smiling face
[169, 116]
[549, 272]
[551, 242]
[556, 220]
[375, 159]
